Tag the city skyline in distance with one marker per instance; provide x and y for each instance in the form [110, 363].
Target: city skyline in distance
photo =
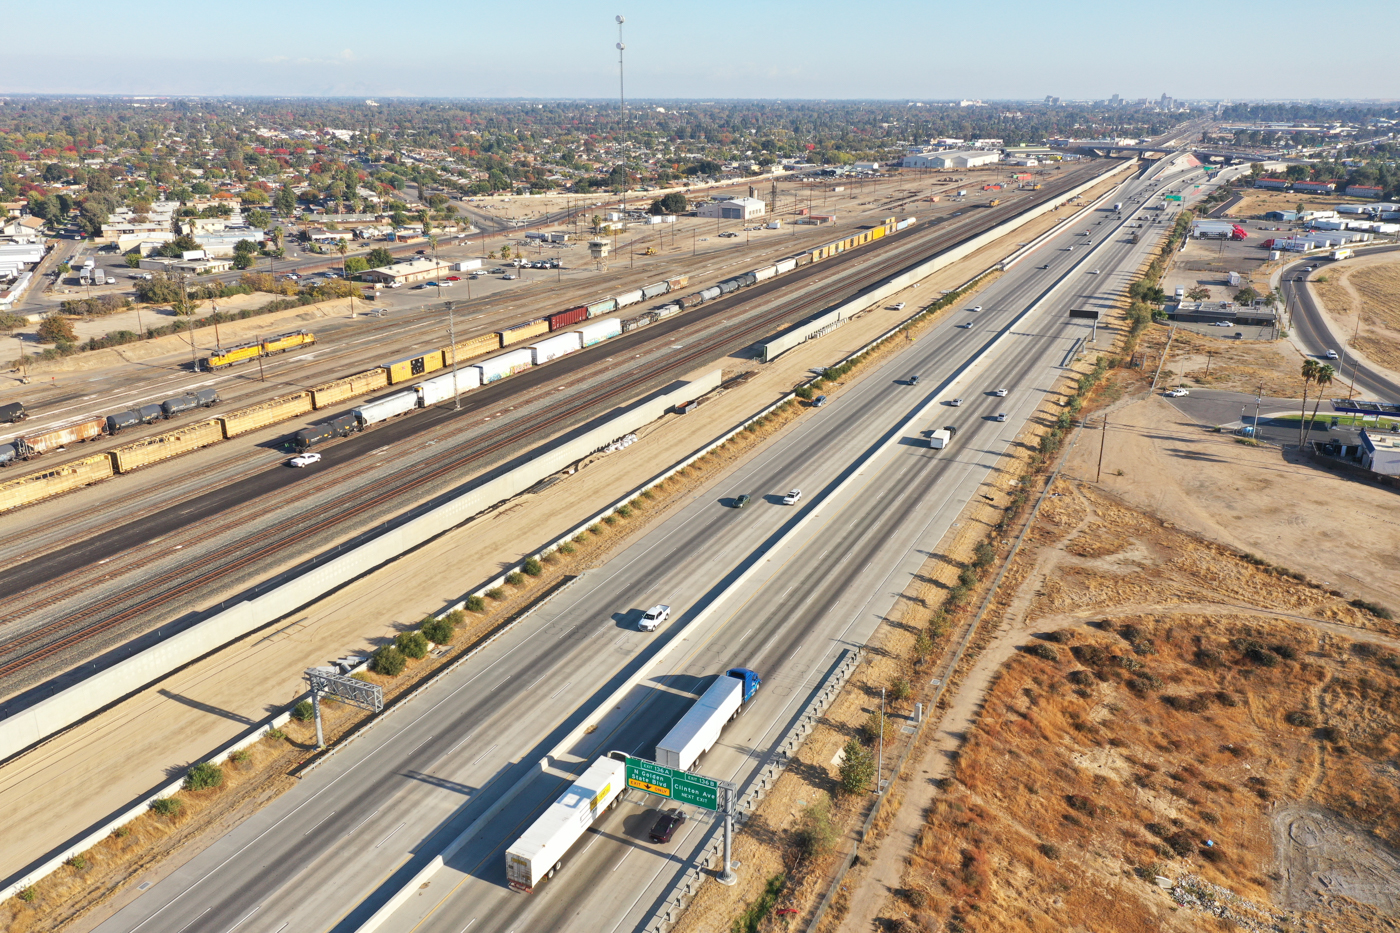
[1082, 50]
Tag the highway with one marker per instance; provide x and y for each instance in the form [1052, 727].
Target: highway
[494, 422]
[1313, 335]
[809, 581]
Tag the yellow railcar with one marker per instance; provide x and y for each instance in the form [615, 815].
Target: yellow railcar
[411, 367]
[284, 342]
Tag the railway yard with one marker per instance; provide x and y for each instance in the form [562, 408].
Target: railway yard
[110, 568]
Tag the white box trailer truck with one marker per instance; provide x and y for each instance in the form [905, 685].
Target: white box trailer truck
[539, 853]
[700, 727]
[940, 438]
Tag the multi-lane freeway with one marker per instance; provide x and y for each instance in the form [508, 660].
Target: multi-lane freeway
[798, 584]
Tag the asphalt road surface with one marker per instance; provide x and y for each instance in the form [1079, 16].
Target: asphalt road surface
[1311, 331]
[329, 852]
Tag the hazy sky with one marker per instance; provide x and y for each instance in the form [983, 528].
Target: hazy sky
[706, 49]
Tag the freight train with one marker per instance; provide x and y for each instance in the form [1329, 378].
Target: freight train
[410, 372]
[29, 446]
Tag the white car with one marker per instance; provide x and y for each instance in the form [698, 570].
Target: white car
[1000, 393]
[899, 306]
[1094, 272]
[304, 460]
[1001, 416]
[956, 403]
[1178, 392]
[653, 617]
[793, 497]
[976, 307]
[967, 326]
[1332, 354]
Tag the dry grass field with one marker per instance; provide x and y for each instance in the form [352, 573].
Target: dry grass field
[1259, 201]
[1369, 286]
[1174, 737]
[1237, 365]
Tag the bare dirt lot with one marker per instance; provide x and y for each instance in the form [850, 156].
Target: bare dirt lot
[1259, 201]
[1368, 286]
[1223, 363]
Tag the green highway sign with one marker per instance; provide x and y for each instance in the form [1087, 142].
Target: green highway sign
[1171, 197]
[682, 786]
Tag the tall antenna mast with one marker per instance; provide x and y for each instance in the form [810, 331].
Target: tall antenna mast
[622, 99]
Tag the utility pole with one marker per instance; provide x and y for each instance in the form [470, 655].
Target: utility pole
[880, 765]
[727, 875]
[452, 336]
[1258, 400]
[1103, 436]
[622, 100]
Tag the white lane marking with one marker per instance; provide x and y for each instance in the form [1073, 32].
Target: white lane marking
[195, 920]
[319, 822]
[484, 754]
[461, 743]
[537, 680]
[391, 834]
[469, 925]
[363, 822]
[245, 919]
[561, 689]
[621, 860]
[420, 744]
[501, 684]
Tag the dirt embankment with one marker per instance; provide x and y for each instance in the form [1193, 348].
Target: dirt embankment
[1368, 286]
[1174, 738]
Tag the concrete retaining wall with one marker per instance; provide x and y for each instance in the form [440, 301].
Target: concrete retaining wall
[62, 710]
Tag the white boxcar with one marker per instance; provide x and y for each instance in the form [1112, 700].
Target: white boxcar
[540, 852]
[439, 388]
[629, 298]
[554, 347]
[599, 331]
[385, 408]
[507, 364]
[700, 727]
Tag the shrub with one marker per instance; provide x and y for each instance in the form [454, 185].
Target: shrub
[1080, 678]
[1375, 609]
[121, 832]
[595, 529]
[388, 660]
[857, 768]
[624, 511]
[441, 631]
[917, 897]
[870, 730]
[566, 548]
[515, 578]
[495, 593]
[240, 756]
[1286, 652]
[78, 862]
[474, 603]
[275, 734]
[609, 519]
[203, 776]
[1081, 804]
[816, 834]
[1301, 718]
[1210, 817]
[580, 538]
[1049, 851]
[303, 711]
[1181, 843]
[1043, 651]
[532, 567]
[411, 644]
[167, 806]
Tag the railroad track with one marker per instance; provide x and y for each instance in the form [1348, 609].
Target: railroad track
[267, 542]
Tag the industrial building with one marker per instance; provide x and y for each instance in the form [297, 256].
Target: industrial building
[1212, 312]
[965, 158]
[1315, 187]
[404, 273]
[737, 209]
[1277, 184]
[1364, 191]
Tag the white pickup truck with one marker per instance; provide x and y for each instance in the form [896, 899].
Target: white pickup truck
[654, 617]
[793, 497]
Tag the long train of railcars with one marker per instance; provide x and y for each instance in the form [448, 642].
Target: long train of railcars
[413, 372]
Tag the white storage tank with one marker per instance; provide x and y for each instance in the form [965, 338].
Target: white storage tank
[385, 408]
[440, 388]
[599, 331]
[554, 347]
[507, 364]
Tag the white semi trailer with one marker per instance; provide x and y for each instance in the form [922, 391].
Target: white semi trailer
[700, 727]
[540, 852]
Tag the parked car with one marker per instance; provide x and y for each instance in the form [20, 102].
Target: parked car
[304, 460]
[508, 277]
[667, 824]
[793, 497]
[1178, 392]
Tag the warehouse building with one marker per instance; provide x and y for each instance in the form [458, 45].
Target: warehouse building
[1364, 191]
[1317, 187]
[405, 273]
[966, 158]
[1277, 184]
[737, 209]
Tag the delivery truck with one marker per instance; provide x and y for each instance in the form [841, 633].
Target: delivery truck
[540, 852]
[700, 727]
[941, 438]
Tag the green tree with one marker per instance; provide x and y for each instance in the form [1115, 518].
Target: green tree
[181, 244]
[1246, 295]
[286, 202]
[388, 661]
[259, 218]
[1323, 377]
[57, 330]
[355, 265]
[412, 644]
[1310, 369]
[673, 203]
[379, 257]
[857, 768]
[245, 253]
[342, 248]
[1199, 293]
[54, 172]
[133, 259]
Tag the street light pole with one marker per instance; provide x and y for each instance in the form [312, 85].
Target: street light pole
[880, 766]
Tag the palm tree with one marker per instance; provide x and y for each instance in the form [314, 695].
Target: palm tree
[1323, 377]
[342, 248]
[437, 273]
[1310, 368]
